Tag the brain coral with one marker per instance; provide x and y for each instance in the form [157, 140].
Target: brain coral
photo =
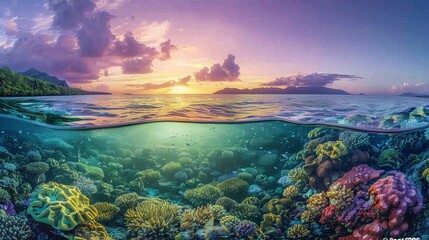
[332, 149]
[61, 206]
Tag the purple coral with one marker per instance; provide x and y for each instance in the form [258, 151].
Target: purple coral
[246, 229]
[393, 196]
[8, 207]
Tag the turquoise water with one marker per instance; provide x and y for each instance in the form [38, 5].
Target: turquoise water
[76, 168]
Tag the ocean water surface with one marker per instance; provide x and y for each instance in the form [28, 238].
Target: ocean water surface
[214, 167]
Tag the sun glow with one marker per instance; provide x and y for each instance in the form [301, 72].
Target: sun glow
[178, 90]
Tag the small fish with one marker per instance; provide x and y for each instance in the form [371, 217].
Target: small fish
[20, 132]
[275, 168]
[187, 144]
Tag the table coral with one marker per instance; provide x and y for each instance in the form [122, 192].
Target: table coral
[61, 206]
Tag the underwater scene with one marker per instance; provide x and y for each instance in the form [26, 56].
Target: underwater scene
[64, 178]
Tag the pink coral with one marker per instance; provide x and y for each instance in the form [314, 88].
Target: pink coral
[374, 230]
[393, 195]
[357, 175]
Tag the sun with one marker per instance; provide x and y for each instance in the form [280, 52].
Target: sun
[178, 90]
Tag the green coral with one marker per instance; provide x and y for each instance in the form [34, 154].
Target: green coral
[233, 187]
[200, 196]
[153, 219]
[61, 206]
[171, 168]
[37, 168]
[332, 150]
[4, 196]
[128, 200]
[150, 176]
[318, 132]
[14, 228]
[106, 211]
[390, 158]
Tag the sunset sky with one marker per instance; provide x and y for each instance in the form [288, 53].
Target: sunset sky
[200, 46]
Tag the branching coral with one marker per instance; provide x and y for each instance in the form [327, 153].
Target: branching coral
[390, 158]
[14, 228]
[291, 192]
[196, 218]
[153, 219]
[315, 205]
[229, 221]
[88, 230]
[354, 140]
[298, 231]
[61, 206]
[37, 168]
[297, 175]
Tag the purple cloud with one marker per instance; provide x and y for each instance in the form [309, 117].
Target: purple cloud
[309, 80]
[166, 48]
[130, 47]
[85, 49]
[68, 14]
[172, 83]
[137, 66]
[227, 72]
[95, 36]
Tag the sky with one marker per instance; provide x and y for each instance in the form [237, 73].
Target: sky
[201, 46]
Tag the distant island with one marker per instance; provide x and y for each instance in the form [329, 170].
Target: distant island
[411, 94]
[288, 90]
[35, 83]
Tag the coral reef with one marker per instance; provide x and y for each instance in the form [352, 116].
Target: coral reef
[14, 228]
[206, 194]
[61, 206]
[298, 231]
[106, 211]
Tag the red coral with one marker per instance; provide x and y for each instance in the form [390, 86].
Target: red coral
[357, 175]
[393, 195]
[328, 214]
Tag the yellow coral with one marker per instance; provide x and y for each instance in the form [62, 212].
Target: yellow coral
[200, 196]
[229, 221]
[61, 206]
[317, 132]
[297, 175]
[340, 196]
[137, 183]
[298, 231]
[425, 174]
[270, 220]
[275, 206]
[315, 205]
[128, 200]
[332, 149]
[106, 211]
[153, 219]
[291, 192]
[89, 230]
[171, 168]
[252, 201]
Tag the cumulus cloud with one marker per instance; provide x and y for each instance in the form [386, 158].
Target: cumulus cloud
[420, 88]
[130, 47]
[10, 26]
[95, 37]
[309, 80]
[227, 72]
[172, 83]
[166, 48]
[68, 14]
[75, 42]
